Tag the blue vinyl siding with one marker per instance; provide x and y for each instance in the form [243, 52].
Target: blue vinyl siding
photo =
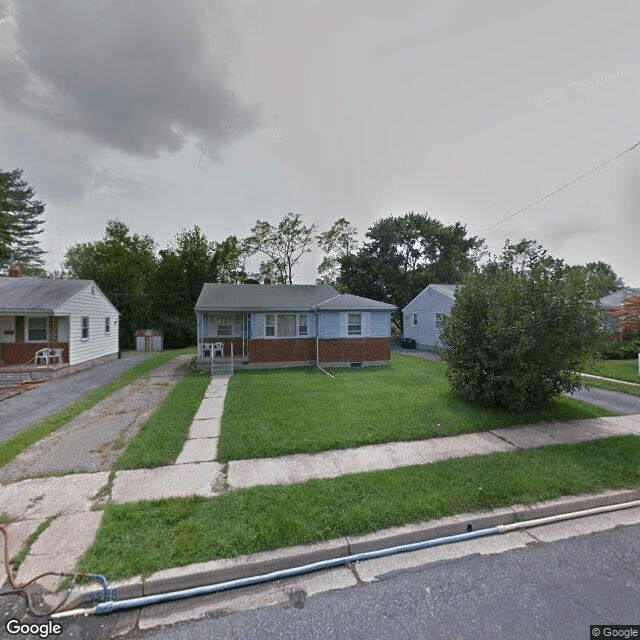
[429, 303]
[329, 324]
[380, 324]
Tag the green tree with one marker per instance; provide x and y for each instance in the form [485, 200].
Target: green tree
[284, 245]
[122, 265]
[183, 268]
[20, 223]
[405, 254]
[521, 330]
[230, 256]
[339, 242]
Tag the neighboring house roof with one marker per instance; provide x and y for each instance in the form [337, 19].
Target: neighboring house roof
[347, 301]
[261, 297]
[37, 295]
[448, 290]
[616, 298]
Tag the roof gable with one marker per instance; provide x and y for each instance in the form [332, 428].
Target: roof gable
[448, 290]
[37, 294]
[348, 301]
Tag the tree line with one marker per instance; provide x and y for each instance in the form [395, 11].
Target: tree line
[157, 288]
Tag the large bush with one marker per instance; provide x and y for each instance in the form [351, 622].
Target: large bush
[517, 337]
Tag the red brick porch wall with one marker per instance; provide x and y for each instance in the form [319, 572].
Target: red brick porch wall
[237, 345]
[282, 350]
[12, 353]
[355, 349]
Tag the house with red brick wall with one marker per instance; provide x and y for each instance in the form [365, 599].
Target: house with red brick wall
[71, 319]
[288, 325]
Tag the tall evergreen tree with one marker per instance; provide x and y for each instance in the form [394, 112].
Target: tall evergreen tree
[20, 223]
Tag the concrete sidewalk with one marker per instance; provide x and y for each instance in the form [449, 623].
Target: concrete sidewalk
[70, 499]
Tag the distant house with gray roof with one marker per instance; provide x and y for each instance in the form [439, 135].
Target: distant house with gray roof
[611, 301]
[71, 318]
[285, 325]
[422, 317]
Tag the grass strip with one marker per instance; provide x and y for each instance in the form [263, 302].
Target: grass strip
[612, 386]
[619, 369]
[161, 438]
[10, 448]
[278, 412]
[140, 538]
[20, 557]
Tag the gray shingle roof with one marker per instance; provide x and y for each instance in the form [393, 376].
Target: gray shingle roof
[26, 294]
[258, 297]
[616, 298]
[347, 301]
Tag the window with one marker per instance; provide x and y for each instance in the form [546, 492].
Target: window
[414, 320]
[37, 330]
[85, 327]
[302, 324]
[286, 326]
[439, 317]
[225, 326]
[107, 326]
[269, 325]
[354, 326]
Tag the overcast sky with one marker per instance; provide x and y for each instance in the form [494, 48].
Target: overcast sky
[169, 114]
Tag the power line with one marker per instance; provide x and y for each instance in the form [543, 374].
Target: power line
[564, 186]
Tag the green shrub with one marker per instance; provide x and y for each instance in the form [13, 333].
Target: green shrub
[621, 350]
[518, 337]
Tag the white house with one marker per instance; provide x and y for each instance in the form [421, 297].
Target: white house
[73, 319]
[422, 317]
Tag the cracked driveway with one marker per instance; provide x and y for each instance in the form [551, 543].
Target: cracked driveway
[93, 440]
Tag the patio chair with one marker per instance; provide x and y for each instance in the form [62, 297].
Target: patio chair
[218, 348]
[42, 357]
[56, 356]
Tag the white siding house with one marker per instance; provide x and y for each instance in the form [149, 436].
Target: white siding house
[72, 318]
[422, 316]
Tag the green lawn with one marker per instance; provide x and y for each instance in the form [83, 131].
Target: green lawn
[276, 412]
[618, 369]
[9, 449]
[148, 536]
[161, 438]
[610, 385]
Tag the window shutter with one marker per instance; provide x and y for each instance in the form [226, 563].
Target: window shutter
[366, 323]
[344, 322]
[260, 325]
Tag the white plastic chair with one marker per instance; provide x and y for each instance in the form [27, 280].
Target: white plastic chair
[43, 356]
[218, 348]
[56, 355]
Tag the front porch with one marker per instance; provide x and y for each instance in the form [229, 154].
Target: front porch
[19, 374]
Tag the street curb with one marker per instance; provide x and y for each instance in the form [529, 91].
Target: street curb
[223, 570]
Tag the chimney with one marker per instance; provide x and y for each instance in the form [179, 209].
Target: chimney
[15, 271]
[267, 280]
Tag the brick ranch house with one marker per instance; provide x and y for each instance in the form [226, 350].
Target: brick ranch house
[71, 316]
[289, 325]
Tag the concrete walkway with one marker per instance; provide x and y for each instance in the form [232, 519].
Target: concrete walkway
[70, 499]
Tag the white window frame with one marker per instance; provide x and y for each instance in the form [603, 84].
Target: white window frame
[270, 327]
[355, 333]
[107, 326]
[28, 329]
[414, 319]
[302, 320]
[82, 329]
[439, 317]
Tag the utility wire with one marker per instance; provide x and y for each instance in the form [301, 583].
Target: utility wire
[564, 186]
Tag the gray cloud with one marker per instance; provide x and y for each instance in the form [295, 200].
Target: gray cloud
[141, 77]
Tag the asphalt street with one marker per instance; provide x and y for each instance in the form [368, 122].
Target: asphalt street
[25, 409]
[615, 401]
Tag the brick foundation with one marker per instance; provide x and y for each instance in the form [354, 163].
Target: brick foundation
[355, 350]
[16, 353]
[282, 350]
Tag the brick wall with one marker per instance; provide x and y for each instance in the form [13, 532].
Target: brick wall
[237, 345]
[282, 350]
[13, 353]
[355, 349]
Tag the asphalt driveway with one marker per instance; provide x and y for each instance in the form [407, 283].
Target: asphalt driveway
[621, 403]
[25, 409]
